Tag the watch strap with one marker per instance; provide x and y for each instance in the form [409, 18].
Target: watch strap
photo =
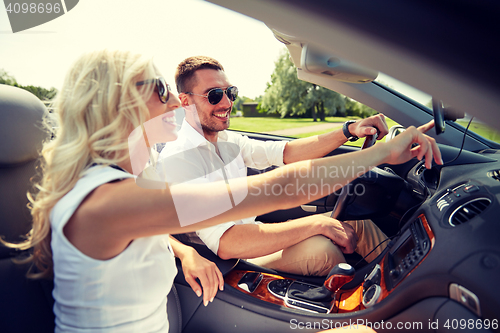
[347, 134]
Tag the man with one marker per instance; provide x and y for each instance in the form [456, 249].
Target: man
[205, 152]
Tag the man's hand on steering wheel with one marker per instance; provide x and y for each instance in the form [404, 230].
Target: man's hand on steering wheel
[369, 126]
[400, 151]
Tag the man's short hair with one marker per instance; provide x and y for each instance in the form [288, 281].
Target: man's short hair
[186, 69]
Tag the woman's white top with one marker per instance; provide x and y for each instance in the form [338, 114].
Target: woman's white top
[124, 294]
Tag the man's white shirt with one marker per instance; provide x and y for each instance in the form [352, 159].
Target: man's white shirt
[193, 159]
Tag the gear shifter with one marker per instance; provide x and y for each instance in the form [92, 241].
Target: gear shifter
[339, 275]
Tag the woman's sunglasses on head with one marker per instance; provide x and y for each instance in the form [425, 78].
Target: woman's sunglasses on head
[162, 88]
[215, 95]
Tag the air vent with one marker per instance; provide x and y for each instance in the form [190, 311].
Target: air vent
[468, 211]
[420, 169]
[495, 174]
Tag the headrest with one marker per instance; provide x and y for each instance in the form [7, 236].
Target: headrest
[21, 131]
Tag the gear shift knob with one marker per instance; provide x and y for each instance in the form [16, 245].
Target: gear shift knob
[339, 275]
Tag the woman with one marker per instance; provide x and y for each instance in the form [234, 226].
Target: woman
[103, 236]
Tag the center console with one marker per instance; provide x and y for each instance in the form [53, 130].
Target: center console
[408, 251]
[405, 253]
[287, 290]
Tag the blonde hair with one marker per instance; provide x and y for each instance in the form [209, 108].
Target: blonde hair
[96, 110]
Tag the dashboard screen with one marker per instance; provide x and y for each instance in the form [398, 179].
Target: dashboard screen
[405, 248]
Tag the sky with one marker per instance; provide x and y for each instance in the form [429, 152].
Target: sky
[167, 30]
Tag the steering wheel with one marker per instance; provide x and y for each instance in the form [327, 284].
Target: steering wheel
[342, 202]
[437, 111]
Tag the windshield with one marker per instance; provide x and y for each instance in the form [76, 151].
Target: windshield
[404, 89]
[477, 126]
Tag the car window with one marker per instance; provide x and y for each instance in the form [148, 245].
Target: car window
[247, 115]
[301, 127]
[477, 126]
[404, 89]
[481, 128]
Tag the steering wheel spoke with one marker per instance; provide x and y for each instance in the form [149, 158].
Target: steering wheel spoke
[348, 190]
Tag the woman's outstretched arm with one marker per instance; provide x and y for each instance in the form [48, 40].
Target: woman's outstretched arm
[116, 213]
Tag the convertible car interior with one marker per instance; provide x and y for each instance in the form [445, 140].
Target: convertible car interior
[442, 261]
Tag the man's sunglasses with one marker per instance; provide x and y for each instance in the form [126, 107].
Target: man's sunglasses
[215, 95]
[162, 88]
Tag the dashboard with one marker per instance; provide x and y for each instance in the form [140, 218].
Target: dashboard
[443, 260]
[433, 271]
[461, 257]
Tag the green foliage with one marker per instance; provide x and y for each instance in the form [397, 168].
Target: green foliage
[238, 103]
[42, 93]
[268, 124]
[286, 95]
[353, 108]
[5, 78]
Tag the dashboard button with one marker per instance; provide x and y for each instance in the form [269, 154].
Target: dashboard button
[469, 188]
[394, 273]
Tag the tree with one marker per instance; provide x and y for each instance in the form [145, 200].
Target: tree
[286, 95]
[5, 78]
[238, 103]
[40, 92]
[354, 108]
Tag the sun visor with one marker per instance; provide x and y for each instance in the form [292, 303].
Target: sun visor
[316, 61]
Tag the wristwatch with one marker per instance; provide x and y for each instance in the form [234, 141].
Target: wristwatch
[345, 129]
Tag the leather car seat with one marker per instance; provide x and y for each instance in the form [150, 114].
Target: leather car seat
[26, 304]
